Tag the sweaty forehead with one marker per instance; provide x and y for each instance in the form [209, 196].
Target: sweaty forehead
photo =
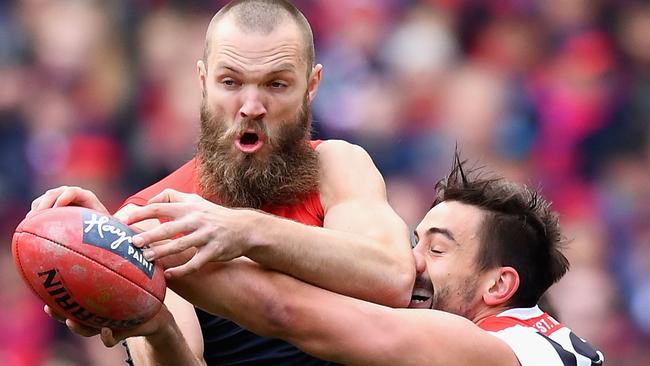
[246, 48]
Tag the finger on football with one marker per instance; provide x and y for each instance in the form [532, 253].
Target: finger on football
[165, 231]
[81, 329]
[53, 314]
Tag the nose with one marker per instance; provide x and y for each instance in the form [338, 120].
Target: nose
[252, 105]
[420, 263]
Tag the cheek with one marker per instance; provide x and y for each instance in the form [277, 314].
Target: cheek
[288, 104]
[445, 272]
[222, 104]
[283, 115]
[438, 272]
[284, 107]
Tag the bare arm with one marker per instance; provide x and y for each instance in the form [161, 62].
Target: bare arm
[362, 250]
[337, 327]
[171, 337]
[179, 340]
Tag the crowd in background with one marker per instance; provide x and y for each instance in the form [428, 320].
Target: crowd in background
[551, 93]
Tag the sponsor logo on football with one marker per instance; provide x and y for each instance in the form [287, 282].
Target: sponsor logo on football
[108, 233]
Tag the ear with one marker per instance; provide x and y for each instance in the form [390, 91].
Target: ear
[314, 81]
[504, 282]
[202, 73]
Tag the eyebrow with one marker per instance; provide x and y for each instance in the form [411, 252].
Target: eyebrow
[283, 67]
[222, 65]
[436, 230]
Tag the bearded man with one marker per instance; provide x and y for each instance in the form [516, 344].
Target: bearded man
[259, 188]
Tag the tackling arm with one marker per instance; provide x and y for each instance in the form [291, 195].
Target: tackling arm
[337, 327]
[362, 251]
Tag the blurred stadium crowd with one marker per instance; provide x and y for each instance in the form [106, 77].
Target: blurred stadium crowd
[552, 93]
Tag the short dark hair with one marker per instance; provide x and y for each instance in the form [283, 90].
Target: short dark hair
[264, 16]
[519, 229]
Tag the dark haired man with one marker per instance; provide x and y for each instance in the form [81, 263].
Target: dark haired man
[486, 251]
[260, 188]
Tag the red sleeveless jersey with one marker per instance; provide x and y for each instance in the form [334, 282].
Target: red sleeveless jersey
[225, 342]
[185, 179]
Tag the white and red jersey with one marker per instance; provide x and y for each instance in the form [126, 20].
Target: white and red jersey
[539, 340]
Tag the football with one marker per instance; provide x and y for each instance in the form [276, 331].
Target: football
[82, 264]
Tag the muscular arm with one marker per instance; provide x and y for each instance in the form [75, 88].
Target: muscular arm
[363, 249]
[178, 341]
[337, 327]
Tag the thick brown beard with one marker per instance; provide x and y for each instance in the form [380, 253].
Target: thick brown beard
[283, 176]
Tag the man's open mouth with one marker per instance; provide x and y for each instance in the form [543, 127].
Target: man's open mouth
[420, 299]
[249, 142]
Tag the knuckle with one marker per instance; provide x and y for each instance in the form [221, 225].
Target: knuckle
[193, 267]
[165, 229]
[193, 225]
[145, 237]
[151, 209]
[156, 209]
[182, 244]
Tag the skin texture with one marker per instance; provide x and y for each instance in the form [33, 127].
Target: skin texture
[446, 251]
[356, 332]
[336, 327]
[362, 236]
[261, 77]
[249, 87]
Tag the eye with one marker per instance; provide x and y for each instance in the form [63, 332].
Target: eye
[229, 83]
[276, 84]
[436, 250]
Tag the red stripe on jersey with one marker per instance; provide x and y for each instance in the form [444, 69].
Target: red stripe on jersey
[544, 323]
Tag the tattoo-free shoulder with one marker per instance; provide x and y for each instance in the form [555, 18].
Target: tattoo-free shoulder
[347, 172]
[343, 154]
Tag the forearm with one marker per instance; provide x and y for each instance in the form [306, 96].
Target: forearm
[324, 324]
[240, 290]
[334, 327]
[166, 347]
[270, 304]
[356, 265]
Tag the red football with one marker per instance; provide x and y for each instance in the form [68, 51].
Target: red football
[81, 263]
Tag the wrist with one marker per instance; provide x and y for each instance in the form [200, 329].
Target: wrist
[162, 343]
[166, 330]
[258, 229]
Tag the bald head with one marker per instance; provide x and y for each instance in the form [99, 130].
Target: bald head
[263, 16]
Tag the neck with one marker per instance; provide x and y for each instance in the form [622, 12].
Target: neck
[487, 312]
